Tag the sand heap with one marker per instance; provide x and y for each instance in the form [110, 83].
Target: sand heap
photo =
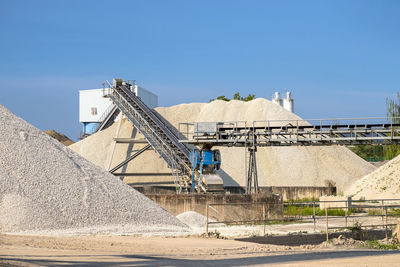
[47, 188]
[381, 183]
[277, 166]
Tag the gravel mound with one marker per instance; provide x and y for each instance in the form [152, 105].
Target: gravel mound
[193, 219]
[277, 166]
[47, 188]
[384, 182]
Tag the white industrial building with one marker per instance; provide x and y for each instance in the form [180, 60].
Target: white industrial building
[287, 102]
[94, 106]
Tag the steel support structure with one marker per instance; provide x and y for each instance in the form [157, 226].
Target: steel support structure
[290, 133]
[252, 177]
[113, 170]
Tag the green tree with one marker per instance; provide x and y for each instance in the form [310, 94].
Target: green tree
[387, 152]
[393, 115]
[236, 96]
[368, 152]
[222, 97]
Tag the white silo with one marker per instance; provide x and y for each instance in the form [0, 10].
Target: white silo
[288, 102]
[277, 99]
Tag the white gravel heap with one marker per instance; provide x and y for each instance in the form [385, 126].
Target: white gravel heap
[193, 219]
[47, 188]
[384, 182]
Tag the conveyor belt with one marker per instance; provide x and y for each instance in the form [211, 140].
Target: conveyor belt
[287, 134]
[161, 138]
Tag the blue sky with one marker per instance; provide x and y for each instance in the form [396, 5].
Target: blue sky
[339, 58]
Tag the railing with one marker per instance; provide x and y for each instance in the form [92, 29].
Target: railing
[106, 112]
[325, 211]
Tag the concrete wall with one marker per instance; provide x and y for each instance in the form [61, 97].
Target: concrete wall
[246, 210]
[291, 192]
[286, 192]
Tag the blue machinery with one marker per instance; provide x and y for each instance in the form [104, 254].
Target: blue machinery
[205, 163]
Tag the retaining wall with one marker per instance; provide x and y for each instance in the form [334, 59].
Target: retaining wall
[287, 192]
[178, 203]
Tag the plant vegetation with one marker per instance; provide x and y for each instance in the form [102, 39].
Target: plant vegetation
[236, 96]
[374, 244]
[375, 153]
[293, 210]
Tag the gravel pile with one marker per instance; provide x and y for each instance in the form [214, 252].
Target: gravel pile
[277, 166]
[384, 182]
[47, 188]
[194, 219]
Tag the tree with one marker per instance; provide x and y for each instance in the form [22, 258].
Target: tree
[393, 114]
[236, 96]
[387, 152]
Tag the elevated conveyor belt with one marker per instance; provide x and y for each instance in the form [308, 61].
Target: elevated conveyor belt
[374, 131]
[294, 133]
[160, 137]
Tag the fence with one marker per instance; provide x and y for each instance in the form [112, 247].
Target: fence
[331, 213]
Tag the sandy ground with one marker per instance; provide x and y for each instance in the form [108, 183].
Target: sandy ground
[183, 251]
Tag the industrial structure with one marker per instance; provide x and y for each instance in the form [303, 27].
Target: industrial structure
[97, 112]
[323, 132]
[195, 169]
[165, 141]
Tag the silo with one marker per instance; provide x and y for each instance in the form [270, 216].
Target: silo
[277, 99]
[288, 102]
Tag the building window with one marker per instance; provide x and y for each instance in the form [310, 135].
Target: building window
[94, 111]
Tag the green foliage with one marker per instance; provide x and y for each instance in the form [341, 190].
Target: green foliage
[306, 199]
[369, 152]
[293, 210]
[374, 244]
[357, 227]
[393, 110]
[379, 153]
[236, 96]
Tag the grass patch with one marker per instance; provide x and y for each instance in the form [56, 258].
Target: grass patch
[292, 210]
[302, 200]
[270, 222]
[374, 244]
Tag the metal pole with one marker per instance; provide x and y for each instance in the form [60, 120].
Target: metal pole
[326, 215]
[314, 215]
[386, 223]
[382, 213]
[207, 219]
[264, 216]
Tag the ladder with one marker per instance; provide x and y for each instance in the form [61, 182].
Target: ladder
[160, 137]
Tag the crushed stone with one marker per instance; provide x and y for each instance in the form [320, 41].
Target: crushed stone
[384, 182]
[194, 219]
[47, 188]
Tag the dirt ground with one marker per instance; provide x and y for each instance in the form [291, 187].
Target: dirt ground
[182, 251]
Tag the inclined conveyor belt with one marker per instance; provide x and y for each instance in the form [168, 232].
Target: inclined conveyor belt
[161, 138]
